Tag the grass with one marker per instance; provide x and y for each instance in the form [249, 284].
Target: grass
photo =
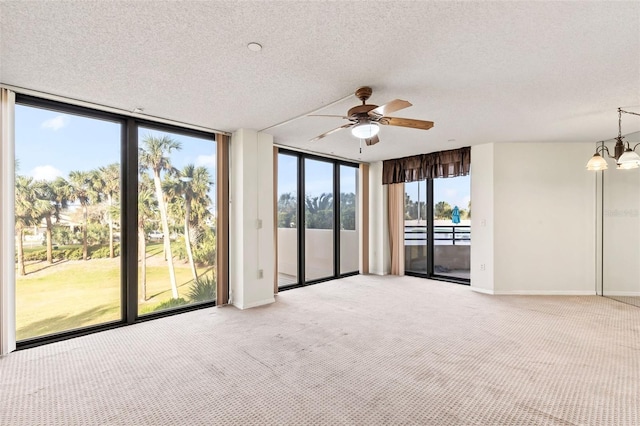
[74, 294]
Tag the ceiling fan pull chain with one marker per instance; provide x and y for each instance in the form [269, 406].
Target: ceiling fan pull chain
[360, 146]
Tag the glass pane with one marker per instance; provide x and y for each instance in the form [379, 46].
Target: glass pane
[318, 219]
[452, 227]
[349, 227]
[287, 220]
[67, 221]
[415, 227]
[176, 220]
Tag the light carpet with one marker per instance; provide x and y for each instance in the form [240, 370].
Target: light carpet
[363, 350]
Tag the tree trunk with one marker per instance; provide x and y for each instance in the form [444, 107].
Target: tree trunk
[187, 239]
[110, 220]
[49, 240]
[142, 252]
[165, 231]
[85, 251]
[21, 270]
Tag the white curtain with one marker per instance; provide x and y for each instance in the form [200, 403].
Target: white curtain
[7, 228]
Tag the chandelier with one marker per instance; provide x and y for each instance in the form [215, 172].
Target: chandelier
[626, 157]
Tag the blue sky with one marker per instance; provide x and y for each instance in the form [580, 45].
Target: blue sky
[455, 191]
[51, 144]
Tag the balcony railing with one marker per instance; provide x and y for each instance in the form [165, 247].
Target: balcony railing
[442, 235]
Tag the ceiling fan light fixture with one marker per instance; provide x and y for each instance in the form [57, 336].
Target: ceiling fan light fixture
[365, 130]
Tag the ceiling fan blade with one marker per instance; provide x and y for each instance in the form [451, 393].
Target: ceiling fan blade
[388, 108]
[374, 140]
[322, 115]
[331, 131]
[406, 122]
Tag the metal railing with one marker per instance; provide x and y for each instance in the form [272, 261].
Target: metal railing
[452, 233]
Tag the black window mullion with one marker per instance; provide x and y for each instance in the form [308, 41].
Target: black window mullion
[430, 229]
[336, 220]
[301, 222]
[129, 212]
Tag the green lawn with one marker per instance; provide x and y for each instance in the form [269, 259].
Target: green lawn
[74, 294]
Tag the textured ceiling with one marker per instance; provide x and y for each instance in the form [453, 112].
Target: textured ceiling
[482, 71]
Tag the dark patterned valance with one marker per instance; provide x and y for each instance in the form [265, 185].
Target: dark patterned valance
[443, 164]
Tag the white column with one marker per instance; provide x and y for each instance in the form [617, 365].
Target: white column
[7, 229]
[379, 256]
[482, 226]
[251, 231]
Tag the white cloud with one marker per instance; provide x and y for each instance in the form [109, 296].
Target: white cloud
[451, 193]
[464, 203]
[206, 160]
[45, 173]
[55, 123]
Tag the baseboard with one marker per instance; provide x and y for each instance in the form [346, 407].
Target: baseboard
[622, 293]
[545, 293]
[482, 290]
[256, 303]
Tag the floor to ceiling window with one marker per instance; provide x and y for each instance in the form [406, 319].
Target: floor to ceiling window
[437, 228]
[318, 219]
[349, 225]
[287, 219]
[176, 220]
[115, 219]
[67, 220]
[323, 193]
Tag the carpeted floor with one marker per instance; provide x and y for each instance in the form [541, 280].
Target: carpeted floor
[364, 350]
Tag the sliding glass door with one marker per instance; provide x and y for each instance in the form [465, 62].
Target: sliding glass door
[452, 228]
[437, 228]
[415, 227]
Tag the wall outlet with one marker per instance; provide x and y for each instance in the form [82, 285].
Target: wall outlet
[483, 267]
[260, 274]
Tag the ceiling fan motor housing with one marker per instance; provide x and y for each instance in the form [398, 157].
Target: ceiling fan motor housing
[360, 111]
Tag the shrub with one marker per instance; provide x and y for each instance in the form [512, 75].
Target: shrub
[39, 255]
[73, 253]
[203, 289]
[171, 303]
[103, 252]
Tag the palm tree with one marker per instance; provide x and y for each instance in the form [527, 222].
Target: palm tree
[57, 195]
[83, 190]
[193, 186]
[110, 186]
[146, 210]
[154, 157]
[29, 210]
[319, 211]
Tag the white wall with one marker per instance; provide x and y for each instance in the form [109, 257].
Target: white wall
[379, 257]
[543, 219]
[251, 255]
[482, 246]
[7, 229]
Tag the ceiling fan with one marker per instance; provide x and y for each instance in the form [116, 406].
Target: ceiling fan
[365, 119]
